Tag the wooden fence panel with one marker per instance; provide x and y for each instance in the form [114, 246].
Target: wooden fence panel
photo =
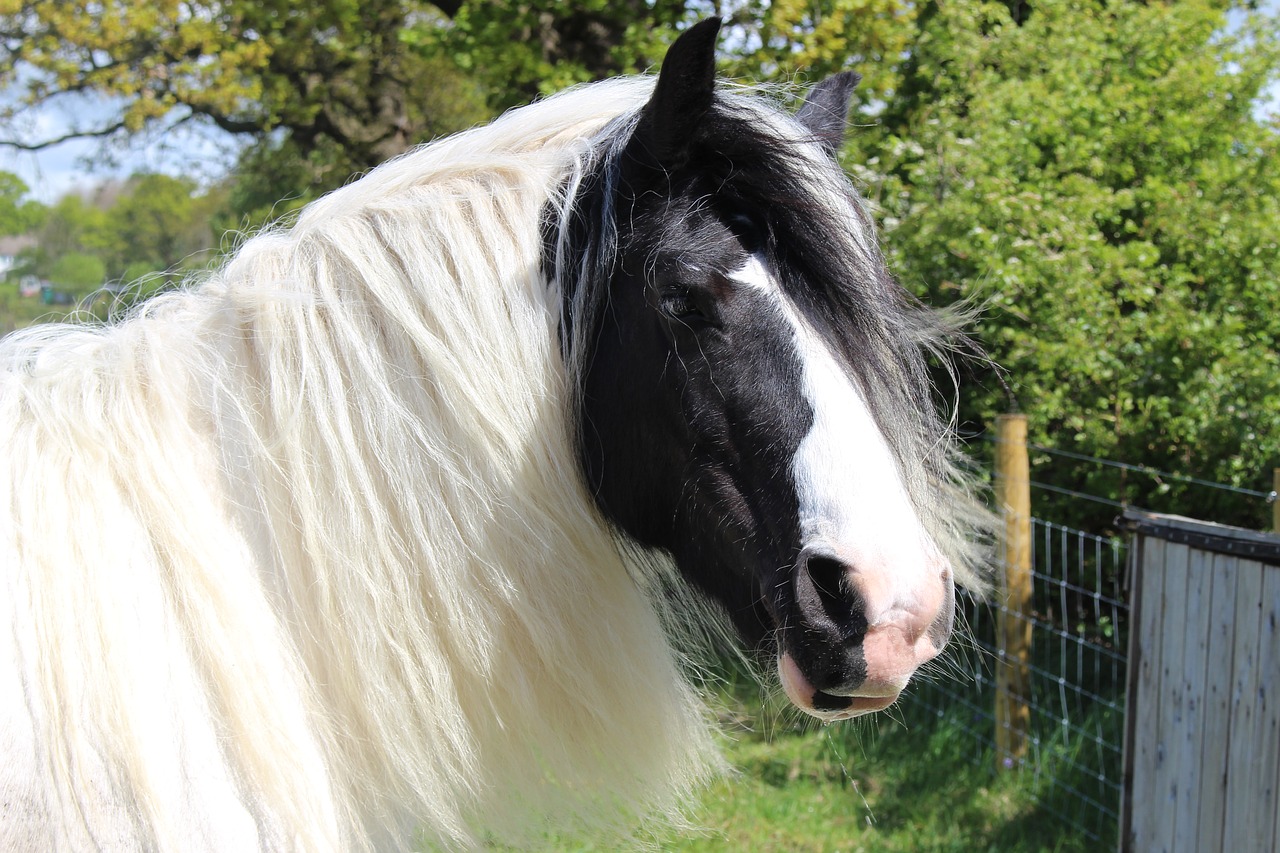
[1216, 704]
[1188, 730]
[1241, 826]
[1169, 709]
[1203, 727]
[1144, 671]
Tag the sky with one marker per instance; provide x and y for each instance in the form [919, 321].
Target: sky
[203, 153]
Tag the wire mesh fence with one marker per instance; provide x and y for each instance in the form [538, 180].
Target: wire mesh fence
[1074, 756]
[1075, 686]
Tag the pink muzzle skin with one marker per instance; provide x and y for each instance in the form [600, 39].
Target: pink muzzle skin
[892, 656]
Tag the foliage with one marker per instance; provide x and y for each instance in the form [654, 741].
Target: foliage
[146, 233]
[517, 51]
[18, 215]
[162, 223]
[77, 272]
[332, 75]
[811, 39]
[1092, 173]
[71, 225]
[1111, 199]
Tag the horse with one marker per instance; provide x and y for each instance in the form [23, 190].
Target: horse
[402, 528]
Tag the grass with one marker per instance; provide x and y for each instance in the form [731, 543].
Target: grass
[917, 782]
[909, 780]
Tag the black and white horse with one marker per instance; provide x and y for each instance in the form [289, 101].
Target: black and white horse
[386, 533]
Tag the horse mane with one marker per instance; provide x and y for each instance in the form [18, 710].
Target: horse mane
[329, 494]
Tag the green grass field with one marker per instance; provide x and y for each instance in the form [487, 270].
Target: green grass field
[907, 780]
[881, 785]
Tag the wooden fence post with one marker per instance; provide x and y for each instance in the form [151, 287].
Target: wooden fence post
[1013, 630]
[1275, 500]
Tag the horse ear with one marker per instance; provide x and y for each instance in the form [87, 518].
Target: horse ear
[681, 97]
[825, 112]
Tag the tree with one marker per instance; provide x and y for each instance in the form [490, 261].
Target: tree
[77, 272]
[815, 38]
[147, 224]
[162, 223]
[18, 215]
[72, 225]
[1112, 200]
[328, 73]
[518, 51]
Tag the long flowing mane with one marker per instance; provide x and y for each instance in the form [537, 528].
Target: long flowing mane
[302, 557]
[343, 464]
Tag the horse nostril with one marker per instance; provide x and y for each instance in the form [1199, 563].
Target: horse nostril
[830, 583]
[826, 597]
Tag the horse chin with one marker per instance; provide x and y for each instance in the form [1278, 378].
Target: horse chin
[829, 707]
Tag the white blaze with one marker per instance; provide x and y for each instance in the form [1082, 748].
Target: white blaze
[853, 503]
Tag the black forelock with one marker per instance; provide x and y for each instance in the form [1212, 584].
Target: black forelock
[817, 235]
[821, 245]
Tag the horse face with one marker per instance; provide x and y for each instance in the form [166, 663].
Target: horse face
[722, 419]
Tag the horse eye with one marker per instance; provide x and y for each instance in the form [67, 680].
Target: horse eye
[679, 303]
[749, 230]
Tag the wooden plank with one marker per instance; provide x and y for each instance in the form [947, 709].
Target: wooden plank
[1171, 710]
[1269, 701]
[1145, 708]
[1216, 705]
[1242, 825]
[1133, 656]
[1262, 546]
[1265, 736]
[1187, 736]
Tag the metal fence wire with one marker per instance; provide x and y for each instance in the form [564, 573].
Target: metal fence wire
[1074, 758]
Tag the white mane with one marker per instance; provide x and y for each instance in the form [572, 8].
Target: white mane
[299, 558]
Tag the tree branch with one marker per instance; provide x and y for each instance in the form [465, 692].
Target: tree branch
[230, 125]
[66, 137]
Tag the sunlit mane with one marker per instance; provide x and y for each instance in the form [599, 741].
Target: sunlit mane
[342, 463]
[307, 555]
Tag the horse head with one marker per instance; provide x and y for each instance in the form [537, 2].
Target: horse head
[750, 398]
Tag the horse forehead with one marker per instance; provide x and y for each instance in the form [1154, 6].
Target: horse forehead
[826, 382]
[850, 489]
[682, 239]
[755, 274]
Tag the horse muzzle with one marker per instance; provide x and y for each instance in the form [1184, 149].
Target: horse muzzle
[859, 631]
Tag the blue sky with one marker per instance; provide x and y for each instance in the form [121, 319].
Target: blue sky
[203, 153]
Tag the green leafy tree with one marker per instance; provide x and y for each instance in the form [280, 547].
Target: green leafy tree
[72, 225]
[517, 51]
[149, 223]
[1094, 174]
[77, 272]
[334, 74]
[811, 39]
[163, 223]
[326, 90]
[18, 214]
